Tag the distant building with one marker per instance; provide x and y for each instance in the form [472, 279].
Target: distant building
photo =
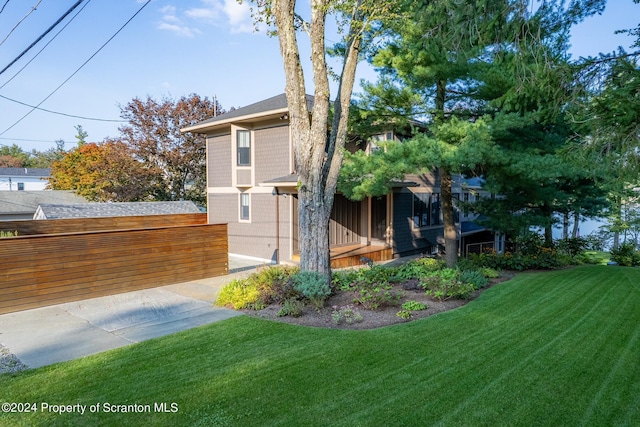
[97, 210]
[22, 205]
[23, 179]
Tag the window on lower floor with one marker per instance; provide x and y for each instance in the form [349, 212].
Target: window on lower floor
[21, 186]
[244, 207]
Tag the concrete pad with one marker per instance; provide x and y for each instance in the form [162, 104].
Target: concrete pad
[119, 311]
[49, 335]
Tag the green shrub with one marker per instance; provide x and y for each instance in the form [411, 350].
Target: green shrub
[344, 279]
[312, 285]
[489, 273]
[4, 234]
[416, 268]
[291, 307]
[404, 314]
[474, 277]
[376, 295]
[239, 294]
[414, 306]
[259, 289]
[446, 284]
[626, 255]
[347, 314]
[573, 246]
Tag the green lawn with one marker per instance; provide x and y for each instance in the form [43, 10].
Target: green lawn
[559, 349]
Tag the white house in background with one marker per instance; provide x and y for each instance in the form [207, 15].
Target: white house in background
[23, 179]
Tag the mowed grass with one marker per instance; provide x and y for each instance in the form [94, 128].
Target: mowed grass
[554, 349]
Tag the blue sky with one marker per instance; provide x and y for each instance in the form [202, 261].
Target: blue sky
[171, 48]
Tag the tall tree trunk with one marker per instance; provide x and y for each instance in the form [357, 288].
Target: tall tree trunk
[448, 218]
[317, 153]
[576, 223]
[446, 190]
[548, 228]
[565, 225]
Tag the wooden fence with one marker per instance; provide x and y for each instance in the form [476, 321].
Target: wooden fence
[74, 225]
[41, 270]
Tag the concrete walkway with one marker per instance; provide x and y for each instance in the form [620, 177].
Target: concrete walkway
[68, 331]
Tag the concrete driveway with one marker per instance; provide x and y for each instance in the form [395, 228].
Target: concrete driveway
[68, 331]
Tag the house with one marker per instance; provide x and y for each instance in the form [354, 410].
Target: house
[252, 186]
[97, 210]
[23, 179]
[22, 205]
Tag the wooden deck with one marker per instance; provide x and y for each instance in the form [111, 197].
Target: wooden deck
[352, 255]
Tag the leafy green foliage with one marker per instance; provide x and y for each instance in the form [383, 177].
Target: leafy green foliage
[404, 314]
[414, 306]
[4, 234]
[416, 268]
[346, 314]
[626, 255]
[573, 246]
[259, 289]
[446, 284]
[474, 278]
[312, 285]
[291, 307]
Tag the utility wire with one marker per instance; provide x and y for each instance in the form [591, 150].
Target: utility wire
[79, 68]
[59, 113]
[20, 21]
[3, 6]
[46, 44]
[55, 24]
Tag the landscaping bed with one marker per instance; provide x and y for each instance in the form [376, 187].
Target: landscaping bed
[364, 298]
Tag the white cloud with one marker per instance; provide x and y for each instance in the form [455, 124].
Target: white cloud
[239, 15]
[171, 22]
[229, 14]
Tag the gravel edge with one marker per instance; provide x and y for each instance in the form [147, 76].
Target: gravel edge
[9, 362]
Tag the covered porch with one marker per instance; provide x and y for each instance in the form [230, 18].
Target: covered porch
[354, 255]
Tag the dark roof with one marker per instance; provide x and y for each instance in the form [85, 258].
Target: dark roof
[278, 102]
[26, 202]
[470, 227]
[95, 210]
[25, 172]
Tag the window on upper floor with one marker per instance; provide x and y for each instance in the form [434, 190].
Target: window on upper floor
[244, 148]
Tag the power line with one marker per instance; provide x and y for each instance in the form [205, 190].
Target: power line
[46, 44]
[61, 114]
[20, 21]
[48, 30]
[79, 68]
[3, 6]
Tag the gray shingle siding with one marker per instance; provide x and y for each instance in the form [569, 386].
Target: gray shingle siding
[219, 159]
[258, 237]
[272, 153]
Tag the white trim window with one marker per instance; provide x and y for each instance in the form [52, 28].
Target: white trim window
[244, 147]
[245, 207]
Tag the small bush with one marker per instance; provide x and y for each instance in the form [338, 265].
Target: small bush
[374, 296]
[414, 306]
[4, 234]
[573, 246]
[258, 289]
[291, 307]
[344, 279]
[417, 268]
[238, 294]
[312, 285]
[474, 277]
[626, 255]
[446, 284]
[404, 314]
[489, 273]
[347, 314]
